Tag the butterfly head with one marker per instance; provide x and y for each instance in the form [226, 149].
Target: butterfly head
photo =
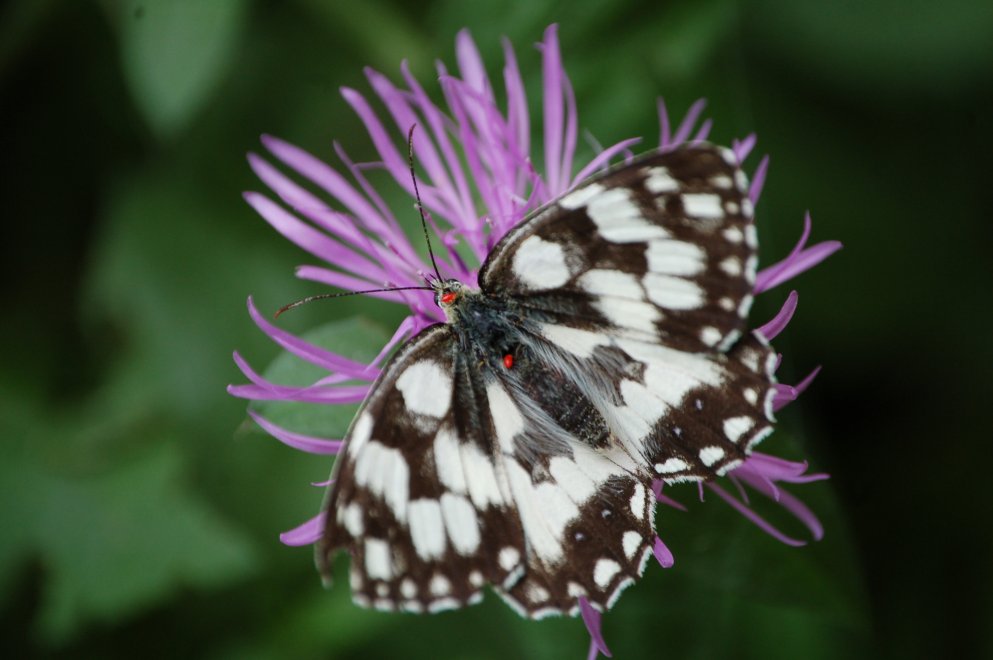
[447, 293]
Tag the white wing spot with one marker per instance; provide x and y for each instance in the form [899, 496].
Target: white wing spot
[751, 396]
[616, 283]
[408, 589]
[508, 557]
[751, 236]
[731, 207]
[736, 427]
[710, 455]
[384, 472]
[726, 304]
[476, 579]
[537, 593]
[731, 266]
[741, 180]
[447, 461]
[378, 564]
[507, 418]
[675, 257]
[480, 477]
[578, 342]
[575, 590]
[440, 586]
[626, 313]
[353, 520]
[620, 220]
[733, 235]
[638, 502]
[460, 523]
[747, 209]
[660, 181]
[721, 181]
[427, 529]
[604, 572]
[750, 266]
[710, 335]
[442, 604]
[581, 196]
[702, 205]
[382, 589]
[426, 388]
[671, 465]
[541, 264]
[631, 541]
[673, 292]
[361, 432]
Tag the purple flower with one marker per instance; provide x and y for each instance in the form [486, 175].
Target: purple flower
[476, 180]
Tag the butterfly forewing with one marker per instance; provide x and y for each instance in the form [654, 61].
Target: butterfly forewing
[660, 247]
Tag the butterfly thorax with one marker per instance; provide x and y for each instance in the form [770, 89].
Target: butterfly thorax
[487, 328]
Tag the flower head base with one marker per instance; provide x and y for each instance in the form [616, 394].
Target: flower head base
[476, 181]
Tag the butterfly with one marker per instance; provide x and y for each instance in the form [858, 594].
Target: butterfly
[516, 444]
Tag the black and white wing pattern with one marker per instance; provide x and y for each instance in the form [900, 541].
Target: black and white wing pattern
[515, 446]
[654, 262]
[418, 500]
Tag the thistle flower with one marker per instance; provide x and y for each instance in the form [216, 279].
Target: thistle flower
[476, 179]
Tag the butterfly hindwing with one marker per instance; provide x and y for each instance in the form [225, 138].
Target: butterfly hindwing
[417, 499]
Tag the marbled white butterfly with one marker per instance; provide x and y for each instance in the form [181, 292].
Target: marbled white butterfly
[516, 444]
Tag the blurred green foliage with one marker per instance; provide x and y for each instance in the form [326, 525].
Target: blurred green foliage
[139, 508]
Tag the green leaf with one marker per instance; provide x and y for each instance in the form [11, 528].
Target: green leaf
[115, 542]
[175, 52]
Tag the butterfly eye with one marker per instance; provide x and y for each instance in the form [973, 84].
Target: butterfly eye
[449, 297]
[508, 360]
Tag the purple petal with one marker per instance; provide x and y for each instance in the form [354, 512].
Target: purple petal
[305, 443]
[758, 180]
[755, 518]
[324, 176]
[779, 322]
[310, 239]
[262, 389]
[306, 534]
[704, 131]
[663, 554]
[665, 135]
[592, 620]
[518, 117]
[602, 160]
[805, 383]
[307, 351]
[689, 121]
[785, 394]
[552, 107]
[744, 147]
[798, 260]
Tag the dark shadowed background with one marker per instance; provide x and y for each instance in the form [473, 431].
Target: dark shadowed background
[139, 511]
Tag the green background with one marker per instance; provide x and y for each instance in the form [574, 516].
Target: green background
[139, 511]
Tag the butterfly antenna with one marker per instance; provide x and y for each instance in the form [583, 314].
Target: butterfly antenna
[417, 194]
[323, 296]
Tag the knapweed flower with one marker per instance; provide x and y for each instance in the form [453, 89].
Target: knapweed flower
[475, 173]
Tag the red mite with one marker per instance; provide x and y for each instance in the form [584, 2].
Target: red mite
[508, 360]
[449, 297]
